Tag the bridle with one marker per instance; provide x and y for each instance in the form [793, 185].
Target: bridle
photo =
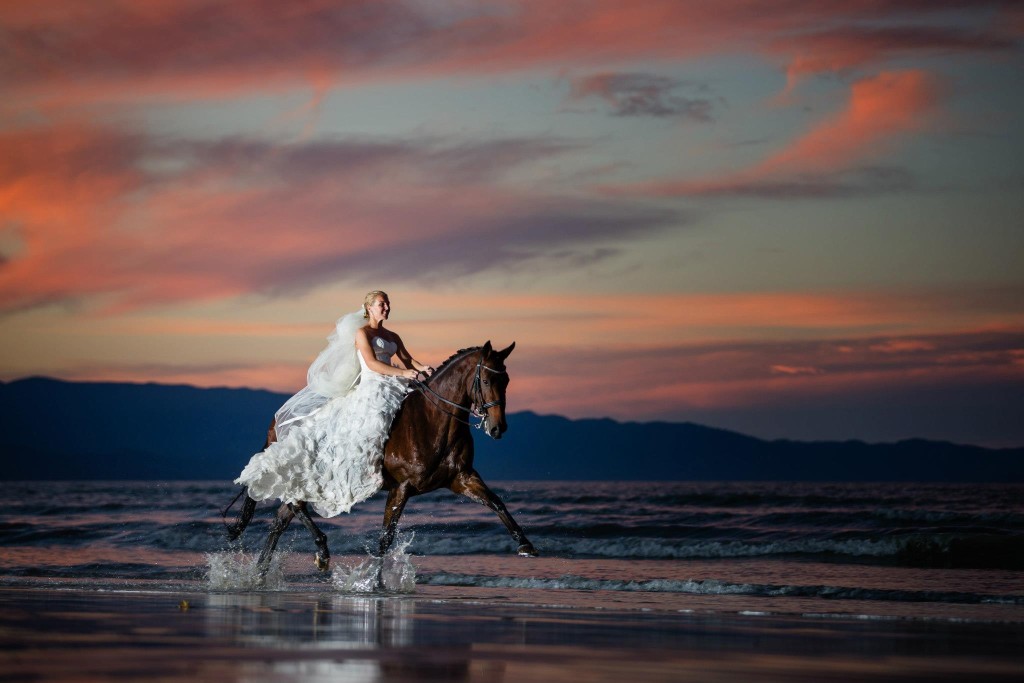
[477, 407]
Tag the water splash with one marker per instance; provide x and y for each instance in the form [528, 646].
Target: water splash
[232, 571]
[395, 569]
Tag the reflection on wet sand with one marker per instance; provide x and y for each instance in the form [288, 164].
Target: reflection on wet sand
[62, 633]
[379, 634]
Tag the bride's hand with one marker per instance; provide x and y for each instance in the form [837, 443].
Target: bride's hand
[410, 374]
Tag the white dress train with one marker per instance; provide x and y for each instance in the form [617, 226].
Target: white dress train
[332, 459]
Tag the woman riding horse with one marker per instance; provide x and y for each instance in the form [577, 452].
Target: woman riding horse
[333, 444]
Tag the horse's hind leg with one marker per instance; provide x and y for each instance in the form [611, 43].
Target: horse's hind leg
[474, 488]
[322, 559]
[277, 527]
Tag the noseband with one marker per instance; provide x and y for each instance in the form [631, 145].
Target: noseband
[476, 408]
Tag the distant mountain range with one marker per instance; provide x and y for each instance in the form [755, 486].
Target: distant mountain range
[54, 430]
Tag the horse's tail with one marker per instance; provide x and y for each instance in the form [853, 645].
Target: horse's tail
[244, 517]
[249, 505]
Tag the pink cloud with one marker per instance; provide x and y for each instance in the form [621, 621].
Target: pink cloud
[842, 49]
[110, 50]
[902, 346]
[635, 383]
[795, 370]
[880, 110]
[224, 218]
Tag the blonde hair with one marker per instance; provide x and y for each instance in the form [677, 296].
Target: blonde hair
[370, 298]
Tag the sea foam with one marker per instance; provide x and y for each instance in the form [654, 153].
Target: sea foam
[395, 571]
[234, 571]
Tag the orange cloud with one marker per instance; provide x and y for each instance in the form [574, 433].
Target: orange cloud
[721, 375]
[881, 109]
[580, 355]
[284, 378]
[57, 191]
[131, 221]
[625, 386]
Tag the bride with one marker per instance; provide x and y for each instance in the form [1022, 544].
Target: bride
[331, 434]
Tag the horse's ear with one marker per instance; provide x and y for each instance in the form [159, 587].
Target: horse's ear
[487, 347]
[504, 353]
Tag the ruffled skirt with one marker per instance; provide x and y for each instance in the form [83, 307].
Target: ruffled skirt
[331, 459]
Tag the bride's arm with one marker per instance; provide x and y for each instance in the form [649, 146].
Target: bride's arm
[408, 361]
[363, 348]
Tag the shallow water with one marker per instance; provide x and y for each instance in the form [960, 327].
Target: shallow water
[853, 551]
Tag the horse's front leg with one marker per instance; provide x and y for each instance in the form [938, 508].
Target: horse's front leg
[473, 487]
[277, 527]
[397, 498]
[322, 559]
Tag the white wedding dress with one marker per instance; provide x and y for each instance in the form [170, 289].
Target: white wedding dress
[332, 458]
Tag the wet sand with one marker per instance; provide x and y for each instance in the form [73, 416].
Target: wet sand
[471, 634]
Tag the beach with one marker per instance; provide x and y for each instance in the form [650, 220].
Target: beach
[473, 634]
[134, 581]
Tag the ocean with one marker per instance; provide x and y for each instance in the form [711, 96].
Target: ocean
[914, 551]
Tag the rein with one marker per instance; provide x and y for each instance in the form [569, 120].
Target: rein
[477, 393]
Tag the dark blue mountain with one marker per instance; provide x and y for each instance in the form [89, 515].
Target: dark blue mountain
[83, 430]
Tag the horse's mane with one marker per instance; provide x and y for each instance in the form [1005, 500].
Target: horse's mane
[458, 355]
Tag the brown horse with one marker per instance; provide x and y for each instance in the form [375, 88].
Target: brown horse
[430, 447]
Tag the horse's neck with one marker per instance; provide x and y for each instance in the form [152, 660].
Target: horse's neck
[453, 384]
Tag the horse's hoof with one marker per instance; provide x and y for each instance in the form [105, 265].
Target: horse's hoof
[321, 563]
[527, 550]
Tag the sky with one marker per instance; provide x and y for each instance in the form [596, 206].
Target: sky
[795, 219]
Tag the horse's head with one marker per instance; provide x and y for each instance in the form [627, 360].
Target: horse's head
[489, 384]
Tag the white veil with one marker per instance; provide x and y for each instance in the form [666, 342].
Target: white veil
[334, 373]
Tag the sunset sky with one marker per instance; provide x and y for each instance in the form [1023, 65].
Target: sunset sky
[794, 219]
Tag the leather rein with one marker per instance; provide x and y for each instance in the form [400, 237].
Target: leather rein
[476, 407]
